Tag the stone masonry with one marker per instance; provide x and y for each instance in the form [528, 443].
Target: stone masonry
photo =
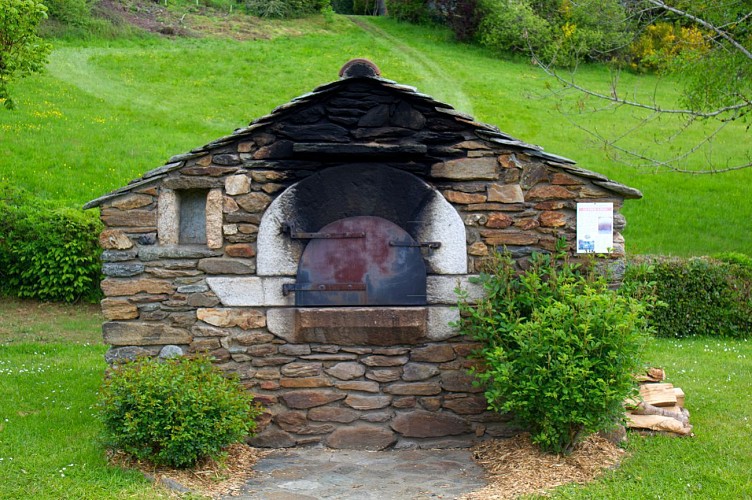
[361, 391]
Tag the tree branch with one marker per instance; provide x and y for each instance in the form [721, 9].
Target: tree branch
[724, 34]
[614, 98]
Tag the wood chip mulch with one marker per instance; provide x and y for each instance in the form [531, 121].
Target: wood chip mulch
[208, 478]
[516, 467]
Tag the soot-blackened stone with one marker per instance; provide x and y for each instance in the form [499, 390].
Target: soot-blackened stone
[351, 190]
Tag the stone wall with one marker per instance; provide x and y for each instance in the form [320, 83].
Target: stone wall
[164, 297]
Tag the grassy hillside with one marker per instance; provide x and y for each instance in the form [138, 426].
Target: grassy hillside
[107, 111]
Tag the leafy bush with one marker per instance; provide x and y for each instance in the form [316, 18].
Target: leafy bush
[47, 252]
[174, 412]
[559, 32]
[512, 26]
[83, 19]
[661, 43]
[413, 11]
[740, 259]
[558, 347]
[280, 9]
[462, 17]
[702, 296]
[22, 52]
[343, 6]
[73, 12]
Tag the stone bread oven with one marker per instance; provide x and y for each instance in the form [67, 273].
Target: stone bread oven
[315, 253]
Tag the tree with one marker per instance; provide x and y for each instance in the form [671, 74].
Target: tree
[560, 32]
[715, 76]
[22, 52]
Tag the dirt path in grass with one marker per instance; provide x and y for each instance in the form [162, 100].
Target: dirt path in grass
[423, 66]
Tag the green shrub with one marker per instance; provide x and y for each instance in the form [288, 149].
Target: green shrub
[558, 32]
[47, 252]
[413, 11]
[342, 6]
[174, 412]
[659, 46]
[74, 12]
[702, 296]
[510, 26]
[558, 348]
[280, 9]
[462, 17]
[737, 258]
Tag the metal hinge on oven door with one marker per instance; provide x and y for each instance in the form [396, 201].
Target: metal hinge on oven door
[431, 245]
[302, 235]
[322, 287]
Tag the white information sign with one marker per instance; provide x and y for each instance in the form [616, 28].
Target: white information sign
[595, 227]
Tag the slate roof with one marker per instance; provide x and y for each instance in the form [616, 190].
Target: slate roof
[485, 131]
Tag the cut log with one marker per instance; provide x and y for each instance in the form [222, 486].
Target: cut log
[658, 423]
[679, 396]
[674, 412]
[658, 394]
[652, 375]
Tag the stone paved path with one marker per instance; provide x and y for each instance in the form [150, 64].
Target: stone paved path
[313, 473]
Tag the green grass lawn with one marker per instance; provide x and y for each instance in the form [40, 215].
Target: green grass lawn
[717, 463]
[51, 364]
[105, 112]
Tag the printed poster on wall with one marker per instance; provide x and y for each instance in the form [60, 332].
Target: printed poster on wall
[595, 227]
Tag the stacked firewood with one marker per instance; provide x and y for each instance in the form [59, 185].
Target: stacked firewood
[659, 407]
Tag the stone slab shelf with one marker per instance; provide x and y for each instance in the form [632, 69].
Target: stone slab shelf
[379, 326]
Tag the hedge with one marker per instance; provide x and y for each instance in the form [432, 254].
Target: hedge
[47, 252]
[700, 295]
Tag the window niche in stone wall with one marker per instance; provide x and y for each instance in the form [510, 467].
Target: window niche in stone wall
[190, 217]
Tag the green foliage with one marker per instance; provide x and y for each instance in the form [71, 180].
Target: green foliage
[662, 43]
[343, 6]
[74, 12]
[462, 17]
[735, 258]
[176, 411]
[558, 32]
[283, 9]
[716, 73]
[47, 252]
[716, 78]
[22, 52]
[558, 347]
[513, 26]
[701, 296]
[413, 11]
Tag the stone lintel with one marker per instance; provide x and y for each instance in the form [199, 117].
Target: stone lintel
[466, 169]
[158, 252]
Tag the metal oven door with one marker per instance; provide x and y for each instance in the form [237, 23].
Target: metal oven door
[360, 261]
